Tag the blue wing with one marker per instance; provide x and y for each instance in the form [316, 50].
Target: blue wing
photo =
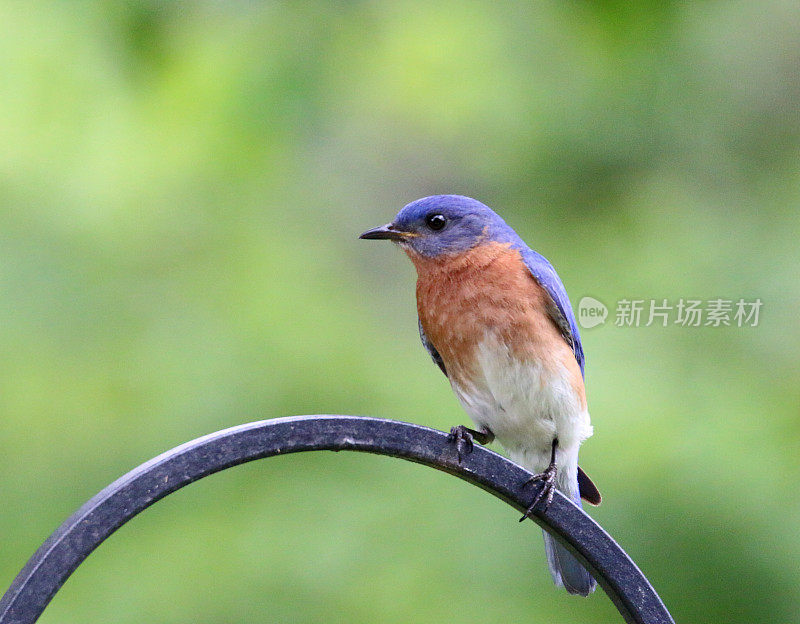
[561, 311]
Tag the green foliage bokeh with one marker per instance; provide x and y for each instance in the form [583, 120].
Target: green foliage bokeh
[181, 187]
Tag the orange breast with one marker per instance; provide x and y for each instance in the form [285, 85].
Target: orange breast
[488, 289]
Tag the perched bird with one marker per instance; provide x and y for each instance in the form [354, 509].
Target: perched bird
[495, 318]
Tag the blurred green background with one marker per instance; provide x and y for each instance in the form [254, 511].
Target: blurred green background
[181, 187]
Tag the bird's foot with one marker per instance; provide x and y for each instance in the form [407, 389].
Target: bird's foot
[461, 436]
[464, 437]
[547, 491]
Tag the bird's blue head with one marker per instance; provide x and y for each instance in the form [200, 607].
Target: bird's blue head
[443, 224]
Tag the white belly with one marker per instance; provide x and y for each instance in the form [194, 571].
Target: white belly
[526, 405]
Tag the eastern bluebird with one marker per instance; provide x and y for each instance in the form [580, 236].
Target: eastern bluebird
[495, 318]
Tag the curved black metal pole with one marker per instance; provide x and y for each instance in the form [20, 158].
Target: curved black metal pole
[73, 541]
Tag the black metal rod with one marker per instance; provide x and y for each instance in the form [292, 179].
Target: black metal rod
[85, 530]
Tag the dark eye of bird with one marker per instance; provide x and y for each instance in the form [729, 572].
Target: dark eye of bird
[435, 221]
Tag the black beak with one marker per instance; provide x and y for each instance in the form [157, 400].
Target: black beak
[386, 232]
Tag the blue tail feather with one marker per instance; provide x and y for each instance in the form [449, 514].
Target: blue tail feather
[566, 570]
